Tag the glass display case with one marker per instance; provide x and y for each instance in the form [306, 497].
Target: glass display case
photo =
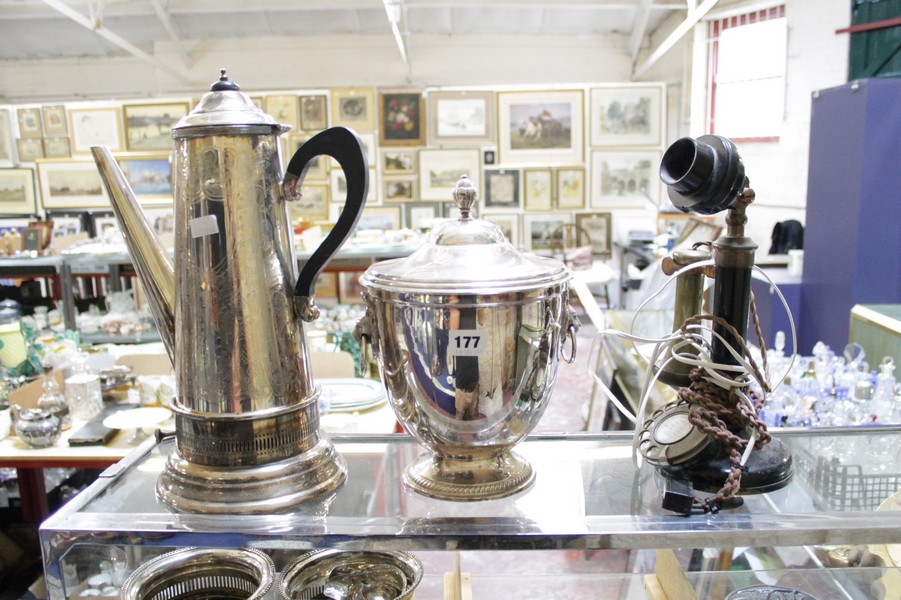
[588, 496]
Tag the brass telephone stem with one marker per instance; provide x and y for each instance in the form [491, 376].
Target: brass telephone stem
[734, 259]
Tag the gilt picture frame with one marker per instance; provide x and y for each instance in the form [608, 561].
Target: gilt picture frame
[354, 108]
[54, 121]
[541, 127]
[401, 118]
[283, 108]
[570, 184]
[6, 139]
[148, 127]
[149, 175]
[313, 112]
[538, 189]
[598, 225]
[30, 122]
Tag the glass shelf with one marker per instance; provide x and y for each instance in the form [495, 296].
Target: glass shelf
[588, 495]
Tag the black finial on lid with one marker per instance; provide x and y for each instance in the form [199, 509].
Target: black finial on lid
[224, 84]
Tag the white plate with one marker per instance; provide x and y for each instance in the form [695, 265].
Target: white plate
[146, 416]
[348, 395]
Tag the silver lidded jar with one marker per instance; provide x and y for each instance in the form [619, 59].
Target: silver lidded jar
[468, 333]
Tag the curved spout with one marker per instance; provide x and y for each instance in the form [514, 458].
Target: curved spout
[151, 261]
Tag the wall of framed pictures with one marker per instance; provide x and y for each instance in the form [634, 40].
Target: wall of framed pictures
[540, 157]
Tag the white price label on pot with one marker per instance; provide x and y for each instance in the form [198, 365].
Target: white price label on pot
[467, 342]
[203, 226]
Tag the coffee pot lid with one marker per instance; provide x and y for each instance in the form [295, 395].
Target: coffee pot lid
[466, 256]
[225, 105]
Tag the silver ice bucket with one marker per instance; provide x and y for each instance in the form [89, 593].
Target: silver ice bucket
[468, 333]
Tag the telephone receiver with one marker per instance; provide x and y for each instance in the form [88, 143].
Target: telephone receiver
[706, 176]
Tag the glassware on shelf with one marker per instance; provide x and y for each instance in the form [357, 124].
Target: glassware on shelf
[83, 391]
[53, 400]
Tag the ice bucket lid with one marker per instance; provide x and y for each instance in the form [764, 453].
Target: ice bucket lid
[225, 105]
[466, 256]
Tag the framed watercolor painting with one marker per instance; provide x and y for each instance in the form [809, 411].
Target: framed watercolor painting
[338, 186]
[30, 122]
[461, 118]
[539, 229]
[100, 126]
[148, 127]
[54, 120]
[627, 115]
[30, 149]
[313, 203]
[440, 170]
[399, 189]
[317, 168]
[313, 112]
[17, 192]
[6, 139]
[398, 161]
[67, 184]
[598, 227]
[571, 188]
[384, 218]
[354, 108]
[501, 188]
[420, 216]
[149, 175]
[543, 128]
[508, 224]
[283, 107]
[57, 148]
[401, 115]
[625, 178]
[538, 189]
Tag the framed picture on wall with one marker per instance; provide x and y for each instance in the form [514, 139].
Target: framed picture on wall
[30, 149]
[598, 227]
[508, 224]
[6, 137]
[57, 148]
[399, 189]
[538, 186]
[461, 118]
[69, 222]
[283, 107]
[101, 126]
[318, 167]
[54, 121]
[398, 161]
[149, 175]
[105, 224]
[313, 203]
[17, 192]
[384, 218]
[30, 122]
[354, 108]
[338, 186]
[67, 184]
[313, 112]
[501, 188]
[440, 170]
[350, 290]
[625, 178]
[539, 229]
[401, 118]
[571, 188]
[543, 128]
[421, 215]
[148, 127]
[627, 115]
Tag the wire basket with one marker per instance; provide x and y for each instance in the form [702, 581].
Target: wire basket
[842, 487]
[202, 573]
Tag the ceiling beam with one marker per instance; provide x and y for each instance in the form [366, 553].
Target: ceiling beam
[97, 27]
[169, 26]
[678, 33]
[639, 26]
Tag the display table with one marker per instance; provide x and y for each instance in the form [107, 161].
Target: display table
[588, 495]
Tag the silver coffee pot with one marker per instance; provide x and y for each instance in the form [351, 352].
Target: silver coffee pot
[229, 311]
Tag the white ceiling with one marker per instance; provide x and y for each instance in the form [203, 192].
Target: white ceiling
[48, 29]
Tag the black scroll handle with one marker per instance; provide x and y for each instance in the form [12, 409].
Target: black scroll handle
[343, 145]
